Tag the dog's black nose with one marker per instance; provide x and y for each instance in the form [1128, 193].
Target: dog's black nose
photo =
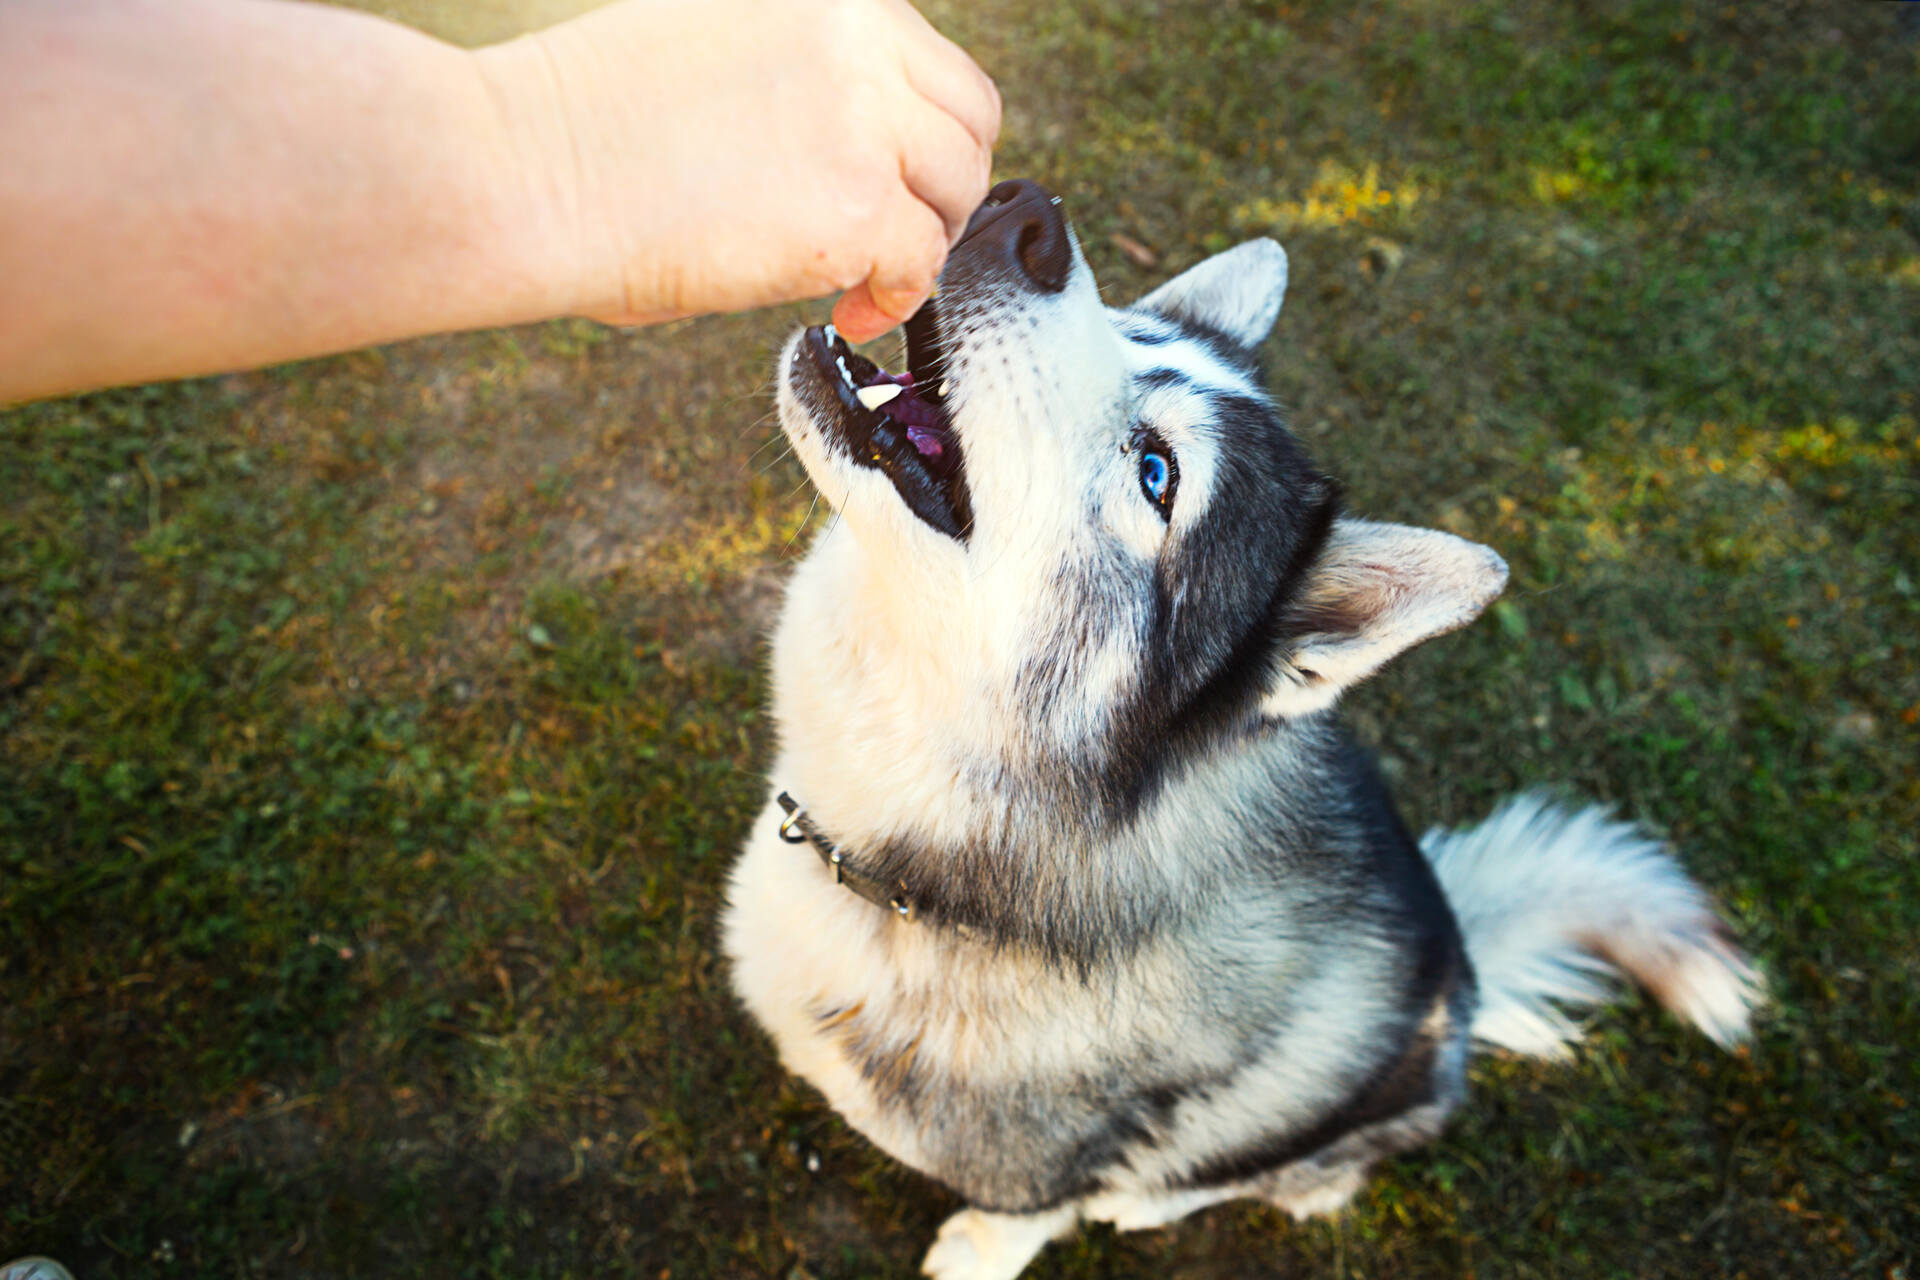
[1021, 225]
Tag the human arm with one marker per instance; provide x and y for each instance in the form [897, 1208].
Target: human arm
[195, 185]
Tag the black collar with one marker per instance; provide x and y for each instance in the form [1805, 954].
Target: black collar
[797, 828]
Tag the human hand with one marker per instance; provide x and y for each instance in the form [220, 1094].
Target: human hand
[691, 156]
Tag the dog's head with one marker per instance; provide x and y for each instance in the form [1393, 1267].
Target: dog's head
[1090, 525]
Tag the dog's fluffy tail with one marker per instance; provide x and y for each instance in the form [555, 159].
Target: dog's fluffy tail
[1553, 902]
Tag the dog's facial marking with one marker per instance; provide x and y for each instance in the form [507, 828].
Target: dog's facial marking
[1202, 479]
[1158, 470]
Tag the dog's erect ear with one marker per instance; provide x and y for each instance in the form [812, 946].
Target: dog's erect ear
[1237, 293]
[1375, 591]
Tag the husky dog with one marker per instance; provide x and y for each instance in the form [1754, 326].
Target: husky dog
[1073, 893]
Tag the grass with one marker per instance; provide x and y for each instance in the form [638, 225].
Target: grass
[377, 730]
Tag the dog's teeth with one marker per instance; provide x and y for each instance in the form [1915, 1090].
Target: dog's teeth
[875, 396]
[831, 336]
[841, 364]
[946, 385]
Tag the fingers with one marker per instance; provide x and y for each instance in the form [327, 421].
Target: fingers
[941, 72]
[904, 269]
[946, 168]
[946, 163]
[948, 159]
[879, 200]
[903, 275]
[858, 318]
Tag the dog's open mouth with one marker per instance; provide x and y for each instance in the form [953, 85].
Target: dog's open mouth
[897, 423]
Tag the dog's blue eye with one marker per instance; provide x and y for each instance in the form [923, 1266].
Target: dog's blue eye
[1156, 478]
[1154, 475]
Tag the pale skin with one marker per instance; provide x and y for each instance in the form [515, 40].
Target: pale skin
[191, 186]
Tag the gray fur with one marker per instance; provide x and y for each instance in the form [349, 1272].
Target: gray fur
[1174, 943]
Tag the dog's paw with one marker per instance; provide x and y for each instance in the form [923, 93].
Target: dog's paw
[1324, 1199]
[973, 1245]
[1134, 1213]
[1137, 1211]
[956, 1252]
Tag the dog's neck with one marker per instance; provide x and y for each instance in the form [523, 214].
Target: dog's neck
[799, 828]
[915, 758]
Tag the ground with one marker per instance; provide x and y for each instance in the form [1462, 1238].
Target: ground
[375, 731]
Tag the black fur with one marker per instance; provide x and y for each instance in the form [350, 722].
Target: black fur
[1217, 634]
[1318, 834]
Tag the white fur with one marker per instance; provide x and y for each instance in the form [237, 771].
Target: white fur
[902, 689]
[974, 1245]
[1554, 901]
[1238, 292]
[1398, 586]
[1138, 1211]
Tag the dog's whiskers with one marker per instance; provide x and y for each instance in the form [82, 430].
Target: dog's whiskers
[786, 451]
[801, 528]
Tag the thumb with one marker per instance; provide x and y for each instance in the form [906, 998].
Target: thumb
[861, 314]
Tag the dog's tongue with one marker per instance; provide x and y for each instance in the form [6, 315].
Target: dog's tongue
[928, 442]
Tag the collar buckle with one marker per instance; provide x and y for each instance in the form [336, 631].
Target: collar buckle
[797, 828]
